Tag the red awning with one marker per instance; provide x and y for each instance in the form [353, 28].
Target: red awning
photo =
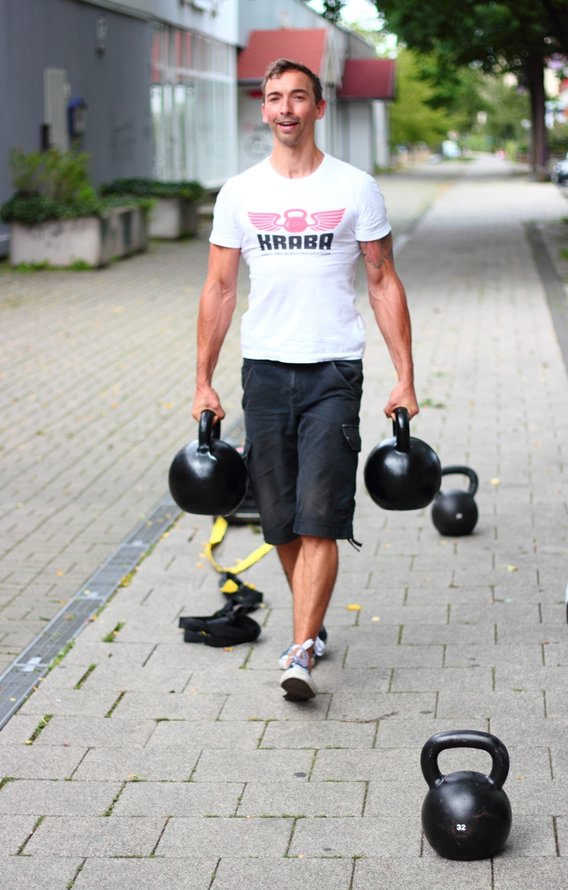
[306, 46]
[368, 79]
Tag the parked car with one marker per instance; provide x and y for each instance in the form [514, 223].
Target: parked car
[560, 172]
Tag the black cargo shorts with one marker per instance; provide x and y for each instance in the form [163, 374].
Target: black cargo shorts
[302, 445]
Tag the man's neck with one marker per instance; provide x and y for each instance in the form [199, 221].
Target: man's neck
[293, 163]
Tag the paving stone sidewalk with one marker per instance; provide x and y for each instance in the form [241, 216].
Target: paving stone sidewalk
[141, 761]
[96, 372]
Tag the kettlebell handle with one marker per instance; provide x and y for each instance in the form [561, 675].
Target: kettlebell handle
[468, 738]
[401, 429]
[463, 471]
[207, 431]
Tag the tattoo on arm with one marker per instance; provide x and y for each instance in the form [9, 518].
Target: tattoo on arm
[377, 253]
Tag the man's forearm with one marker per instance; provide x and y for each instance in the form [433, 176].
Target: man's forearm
[215, 313]
[393, 319]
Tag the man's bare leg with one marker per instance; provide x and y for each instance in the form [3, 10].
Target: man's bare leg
[310, 564]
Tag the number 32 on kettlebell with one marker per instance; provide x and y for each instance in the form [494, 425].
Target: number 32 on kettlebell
[466, 815]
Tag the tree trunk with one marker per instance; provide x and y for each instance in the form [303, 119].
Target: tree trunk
[538, 155]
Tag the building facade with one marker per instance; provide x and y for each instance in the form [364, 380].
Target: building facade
[170, 88]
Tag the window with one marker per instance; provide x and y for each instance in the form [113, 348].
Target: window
[193, 104]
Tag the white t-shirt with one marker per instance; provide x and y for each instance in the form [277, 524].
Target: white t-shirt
[300, 239]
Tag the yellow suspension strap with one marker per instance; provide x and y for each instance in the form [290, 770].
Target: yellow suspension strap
[231, 584]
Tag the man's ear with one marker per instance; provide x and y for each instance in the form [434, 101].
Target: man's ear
[320, 109]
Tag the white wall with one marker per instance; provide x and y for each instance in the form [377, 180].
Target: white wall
[255, 138]
[360, 150]
[381, 133]
[261, 15]
[215, 18]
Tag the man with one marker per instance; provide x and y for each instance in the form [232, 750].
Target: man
[301, 220]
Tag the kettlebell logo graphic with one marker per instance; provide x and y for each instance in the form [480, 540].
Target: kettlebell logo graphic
[297, 220]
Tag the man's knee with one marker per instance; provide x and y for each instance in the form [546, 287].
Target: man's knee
[317, 542]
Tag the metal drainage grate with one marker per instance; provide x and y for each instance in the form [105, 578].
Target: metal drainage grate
[21, 677]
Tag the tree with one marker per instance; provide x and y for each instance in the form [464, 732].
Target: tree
[506, 109]
[412, 118]
[332, 10]
[458, 91]
[425, 82]
[496, 35]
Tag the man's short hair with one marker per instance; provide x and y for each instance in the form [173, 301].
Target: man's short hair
[280, 66]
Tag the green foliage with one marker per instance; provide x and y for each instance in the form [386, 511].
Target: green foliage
[412, 118]
[32, 210]
[558, 140]
[53, 185]
[495, 35]
[502, 125]
[59, 176]
[154, 188]
[456, 90]
[49, 185]
[45, 266]
[332, 10]
[108, 202]
[506, 108]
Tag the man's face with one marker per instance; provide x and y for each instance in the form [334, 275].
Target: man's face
[290, 109]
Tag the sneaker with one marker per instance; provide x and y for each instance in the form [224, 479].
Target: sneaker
[319, 649]
[297, 680]
[321, 642]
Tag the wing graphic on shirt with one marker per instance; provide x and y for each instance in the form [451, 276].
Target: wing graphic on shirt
[297, 220]
[326, 220]
[265, 221]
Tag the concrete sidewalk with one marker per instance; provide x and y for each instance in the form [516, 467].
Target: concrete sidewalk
[142, 761]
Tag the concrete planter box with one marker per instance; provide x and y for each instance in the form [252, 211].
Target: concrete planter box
[89, 239]
[173, 218]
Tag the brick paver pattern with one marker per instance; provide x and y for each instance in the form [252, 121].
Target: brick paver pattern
[142, 761]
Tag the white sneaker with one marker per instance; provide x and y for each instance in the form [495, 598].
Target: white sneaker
[319, 648]
[297, 680]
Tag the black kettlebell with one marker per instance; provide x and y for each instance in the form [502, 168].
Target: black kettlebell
[466, 815]
[402, 472]
[208, 475]
[454, 512]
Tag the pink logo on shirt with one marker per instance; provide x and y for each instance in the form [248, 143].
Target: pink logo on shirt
[297, 220]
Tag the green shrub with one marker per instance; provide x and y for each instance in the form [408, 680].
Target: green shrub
[154, 188]
[32, 210]
[53, 185]
[558, 140]
[53, 174]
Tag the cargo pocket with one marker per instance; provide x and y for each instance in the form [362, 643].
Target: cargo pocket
[353, 439]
